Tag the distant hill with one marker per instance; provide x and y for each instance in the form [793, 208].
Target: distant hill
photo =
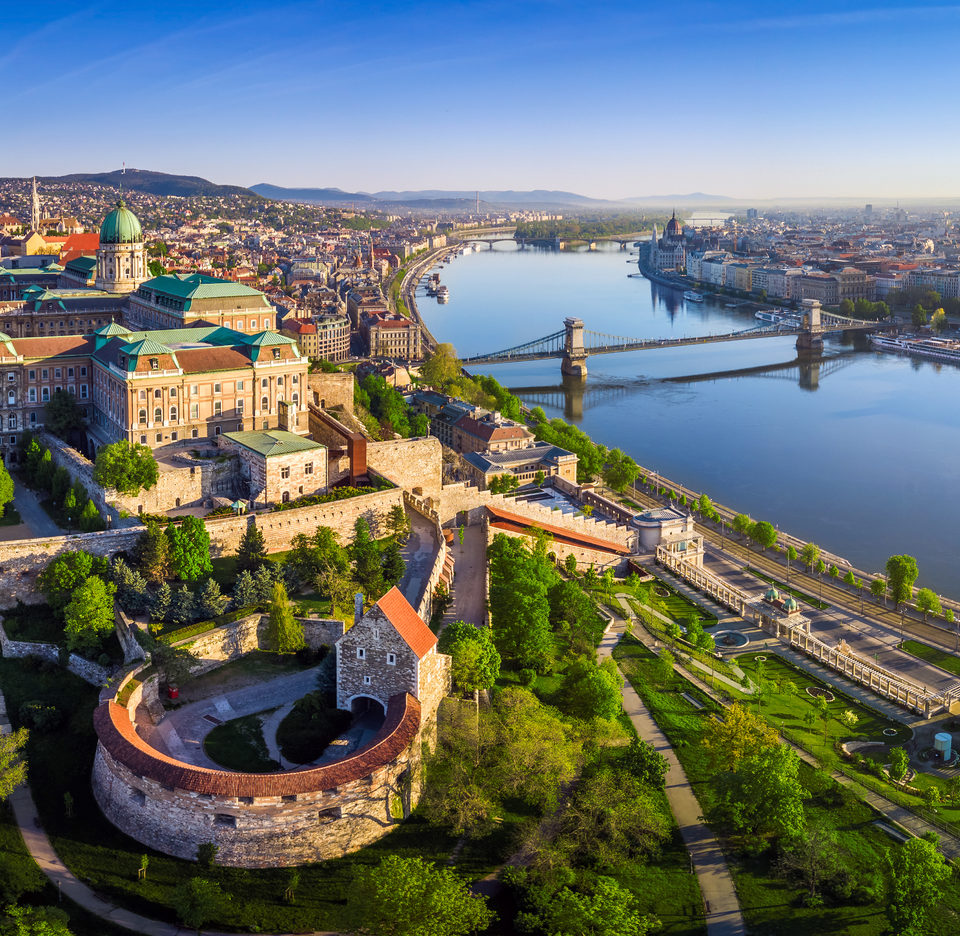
[153, 183]
[326, 196]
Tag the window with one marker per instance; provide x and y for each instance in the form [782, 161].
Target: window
[83, 372]
[143, 440]
[361, 653]
[33, 375]
[216, 388]
[266, 424]
[266, 323]
[33, 419]
[32, 394]
[158, 394]
[44, 374]
[280, 381]
[284, 473]
[296, 398]
[45, 394]
[173, 414]
[367, 680]
[11, 398]
[11, 422]
[264, 382]
[56, 370]
[195, 389]
[308, 468]
[173, 438]
[173, 393]
[240, 405]
[295, 380]
[391, 659]
[158, 415]
[69, 371]
[154, 364]
[159, 437]
[217, 407]
[12, 440]
[264, 403]
[194, 410]
[276, 354]
[239, 385]
[194, 433]
[143, 394]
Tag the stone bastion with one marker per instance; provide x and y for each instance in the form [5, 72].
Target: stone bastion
[256, 820]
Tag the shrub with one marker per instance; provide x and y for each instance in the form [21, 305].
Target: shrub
[39, 716]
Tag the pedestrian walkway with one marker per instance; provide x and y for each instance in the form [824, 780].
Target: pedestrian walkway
[721, 906]
[725, 617]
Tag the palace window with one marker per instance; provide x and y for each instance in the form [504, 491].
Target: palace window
[239, 385]
[154, 364]
[143, 394]
[194, 410]
[158, 415]
[142, 418]
[276, 354]
[173, 414]
[264, 403]
[45, 394]
[173, 392]
[216, 388]
[158, 394]
[217, 407]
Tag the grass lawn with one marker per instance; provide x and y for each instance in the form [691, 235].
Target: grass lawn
[789, 589]
[310, 727]
[677, 606]
[61, 761]
[254, 667]
[940, 658]
[770, 902]
[32, 622]
[238, 745]
[11, 516]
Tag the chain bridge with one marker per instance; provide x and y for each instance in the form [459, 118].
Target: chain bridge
[574, 343]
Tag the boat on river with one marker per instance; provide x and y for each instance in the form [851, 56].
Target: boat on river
[940, 349]
[692, 296]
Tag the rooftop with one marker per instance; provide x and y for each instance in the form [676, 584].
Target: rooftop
[409, 625]
[272, 442]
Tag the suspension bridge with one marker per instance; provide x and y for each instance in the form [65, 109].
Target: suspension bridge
[574, 343]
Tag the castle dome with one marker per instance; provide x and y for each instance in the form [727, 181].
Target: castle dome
[674, 228]
[121, 226]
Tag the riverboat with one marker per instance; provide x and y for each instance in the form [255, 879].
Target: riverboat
[940, 349]
[443, 294]
[692, 296]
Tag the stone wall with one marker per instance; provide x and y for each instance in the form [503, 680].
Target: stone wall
[231, 641]
[259, 820]
[599, 559]
[416, 464]
[22, 560]
[92, 673]
[331, 390]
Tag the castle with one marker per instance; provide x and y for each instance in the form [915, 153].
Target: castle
[387, 661]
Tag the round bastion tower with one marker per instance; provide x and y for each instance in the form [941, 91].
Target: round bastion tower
[121, 257]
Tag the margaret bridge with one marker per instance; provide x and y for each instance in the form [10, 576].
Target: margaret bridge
[574, 343]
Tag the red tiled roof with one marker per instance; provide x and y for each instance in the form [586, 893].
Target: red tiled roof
[86, 243]
[419, 638]
[490, 432]
[516, 523]
[53, 346]
[119, 737]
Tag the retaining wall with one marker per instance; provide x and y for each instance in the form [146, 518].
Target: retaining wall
[88, 671]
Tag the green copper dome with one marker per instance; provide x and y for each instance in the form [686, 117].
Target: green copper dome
[120, 227]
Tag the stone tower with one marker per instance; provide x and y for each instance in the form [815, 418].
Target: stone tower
[121, 257]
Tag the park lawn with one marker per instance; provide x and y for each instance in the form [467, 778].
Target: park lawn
[61, 761]
[789, 589]
[239, 745]
[772, 904]
[946, 661]
[225, 569]
[678, 606]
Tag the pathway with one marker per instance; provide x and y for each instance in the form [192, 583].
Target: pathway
[723, 916]
[469, 577]
[36, 521]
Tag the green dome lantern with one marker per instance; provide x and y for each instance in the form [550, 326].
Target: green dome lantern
[772, 595]
[121, 226]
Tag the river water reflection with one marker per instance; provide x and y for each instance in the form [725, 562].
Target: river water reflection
[860, 453]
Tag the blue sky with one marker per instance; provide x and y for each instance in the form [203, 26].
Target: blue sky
[608, 99]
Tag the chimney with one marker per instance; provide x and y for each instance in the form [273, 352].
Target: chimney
[357, 607]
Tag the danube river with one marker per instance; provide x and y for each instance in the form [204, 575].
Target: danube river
[860, 454]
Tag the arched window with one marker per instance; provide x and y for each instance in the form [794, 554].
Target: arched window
[158, 394]
[143, 417]
[173, 414]
[158, 415]
[296, 398]
[265, 403]
[280, 381]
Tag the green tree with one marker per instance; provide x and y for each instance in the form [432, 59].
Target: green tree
[126, 467]
[393, 565]
[244, 591]
[916, 874]
[183, 607]
[928, 602]
[846, 308]
[63, 416]
[33, 921]
[60, 484]
[665, 663]
[938, 321]
[809, 555]
[285, 632]
[620, 470]
[878, 588]
[13, 764]
[742, 524]
[66, 573]
[791, 557]
[160, 603]
[199, 901]
[365, 555]
[813, 856]
[475, 660]
[398, 523]
[189, 549]
[592, 691]
[764, 534]
[441, 368]
[404, 896]
[899, 764]
[570, 564]
[152, 552]
[849, 578]
[173, 664]
[646, 763]
[88, 617]
[502, 484]
[739, 736]
[90, 520]
[252, 551]
[45, 471]
[210, 601]
[901, 574]
[919, 316]
[606, 910]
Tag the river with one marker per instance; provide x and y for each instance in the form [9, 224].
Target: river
[860, 454]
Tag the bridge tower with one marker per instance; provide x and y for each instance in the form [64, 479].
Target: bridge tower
[811, 338]
[574, 356]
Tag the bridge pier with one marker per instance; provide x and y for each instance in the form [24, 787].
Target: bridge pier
[574, 366]
[809, 341]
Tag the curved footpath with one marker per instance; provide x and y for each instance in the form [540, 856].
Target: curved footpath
[721, 906]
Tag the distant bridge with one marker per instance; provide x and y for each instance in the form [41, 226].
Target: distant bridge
[573, 344]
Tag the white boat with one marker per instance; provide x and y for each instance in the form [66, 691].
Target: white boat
[443, 294]
[692, 296]
[766, 316]
[940, 349]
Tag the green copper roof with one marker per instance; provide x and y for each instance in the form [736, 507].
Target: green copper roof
[267, 338]
[83, 264]
[121, 227]
[146, 346]
[114, 328]
[198, 286]
[272, 442]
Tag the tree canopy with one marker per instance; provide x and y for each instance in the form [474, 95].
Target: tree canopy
[88, 617]
[901, 574]
[126, 467]
[189, 549]
[67, 572]
[476, 662]
[63, 415]
[916, 874]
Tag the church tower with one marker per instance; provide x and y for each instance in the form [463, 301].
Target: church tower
[34, 207]
[121, 257]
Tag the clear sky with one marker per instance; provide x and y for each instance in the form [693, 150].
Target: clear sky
[604, 98]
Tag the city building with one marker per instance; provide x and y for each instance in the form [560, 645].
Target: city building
[669, 251]
[326, 335]
[523, 464]
[388, 335]
[278, 466]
